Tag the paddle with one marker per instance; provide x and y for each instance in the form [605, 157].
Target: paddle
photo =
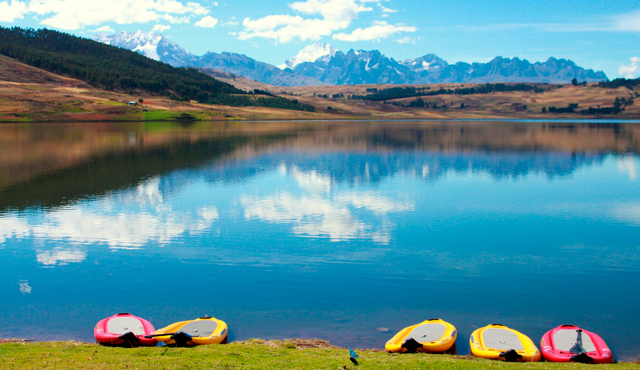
[159, 335]
[511, 355]
[577, 348]
[580, 353]
[181, 338]
[411, 345]
[130, 338]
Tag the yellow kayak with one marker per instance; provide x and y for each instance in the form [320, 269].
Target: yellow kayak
[498, 342]
[433, 335]
[205, 330]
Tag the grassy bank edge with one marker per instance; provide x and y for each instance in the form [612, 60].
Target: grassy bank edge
[251, 354]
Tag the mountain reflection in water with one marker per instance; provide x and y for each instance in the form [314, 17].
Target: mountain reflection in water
[322, 229]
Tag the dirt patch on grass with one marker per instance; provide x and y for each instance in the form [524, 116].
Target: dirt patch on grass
[14, 340]
[296, 343]
[311, 343]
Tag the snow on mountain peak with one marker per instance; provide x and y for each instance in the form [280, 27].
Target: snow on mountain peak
[310, 53]
[150, 44]
[146, 43]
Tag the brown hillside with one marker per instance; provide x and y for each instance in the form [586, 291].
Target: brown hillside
[14, 71]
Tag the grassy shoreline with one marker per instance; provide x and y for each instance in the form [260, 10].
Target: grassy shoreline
[251, 354]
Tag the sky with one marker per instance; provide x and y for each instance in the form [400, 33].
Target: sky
[596, 35]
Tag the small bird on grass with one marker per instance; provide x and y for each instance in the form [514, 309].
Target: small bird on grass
[353, 357]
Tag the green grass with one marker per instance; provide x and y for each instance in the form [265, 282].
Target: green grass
[164, 115]
[74, 355]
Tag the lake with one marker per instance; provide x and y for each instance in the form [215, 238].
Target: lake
[328, 230]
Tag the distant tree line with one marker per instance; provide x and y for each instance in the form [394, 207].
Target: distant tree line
[575, 82]
[115, 69]
[620, 82]
[619, 105]
[408, 92]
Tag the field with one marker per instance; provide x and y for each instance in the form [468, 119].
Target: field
[251, 354]
[30, 94]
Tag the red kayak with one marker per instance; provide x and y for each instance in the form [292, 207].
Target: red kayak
[568, 343]
[124, 329]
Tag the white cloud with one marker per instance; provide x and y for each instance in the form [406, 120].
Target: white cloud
[310, 180]
[176, 20]
[13, 227]
[387, 10]
[75, 14]
[629, 213]
[24, 287]
[9, 12]
[104, 29]
[122, 230]
[61, 256]
[103, 222]
[631, 70]
[374, 203]
[629, 22]
[310, 215]
[630, 166]
[161, 28]
[321, 213]
[323, 216]
[336, 15]
[230, 23]
[207, 22]
[379, 31]
[406, 40]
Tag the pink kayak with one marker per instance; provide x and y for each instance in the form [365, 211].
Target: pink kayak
[568, 343]
[124, 329]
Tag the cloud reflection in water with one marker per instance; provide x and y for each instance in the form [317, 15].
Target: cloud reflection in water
[320, 212]
[127, 220]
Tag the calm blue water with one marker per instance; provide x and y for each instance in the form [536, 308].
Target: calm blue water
[323, 230]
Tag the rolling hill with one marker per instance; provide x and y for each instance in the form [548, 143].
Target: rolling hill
[116, 69]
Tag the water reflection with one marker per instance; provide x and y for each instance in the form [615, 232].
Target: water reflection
[126, 220]
[282, 219]
[629, 165]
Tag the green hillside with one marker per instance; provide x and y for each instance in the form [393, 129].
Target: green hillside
[115, 69]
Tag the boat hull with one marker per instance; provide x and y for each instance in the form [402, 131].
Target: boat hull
[498, 342]
[433, 336]
[112, 330]
[556, 345]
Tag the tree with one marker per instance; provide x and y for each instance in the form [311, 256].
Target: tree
[140, 101]
[574, 82]
[544, 109]
[462, 106]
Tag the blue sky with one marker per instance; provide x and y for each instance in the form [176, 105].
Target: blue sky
[595, 34]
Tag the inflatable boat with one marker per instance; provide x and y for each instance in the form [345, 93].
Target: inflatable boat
[434, 335]
[569, 343]
[124, 329]
[498, 342]
[204, 330]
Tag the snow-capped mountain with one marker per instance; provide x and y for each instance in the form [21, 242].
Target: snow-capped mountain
[158, 47]
[246, 67]
[310, 54]
[151, 45]
[428, 62]
[322, 64]
[372, 67]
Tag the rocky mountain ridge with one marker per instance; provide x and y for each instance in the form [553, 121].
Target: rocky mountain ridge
[322, 64]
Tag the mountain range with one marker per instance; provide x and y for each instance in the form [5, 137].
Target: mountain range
[322, 64]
